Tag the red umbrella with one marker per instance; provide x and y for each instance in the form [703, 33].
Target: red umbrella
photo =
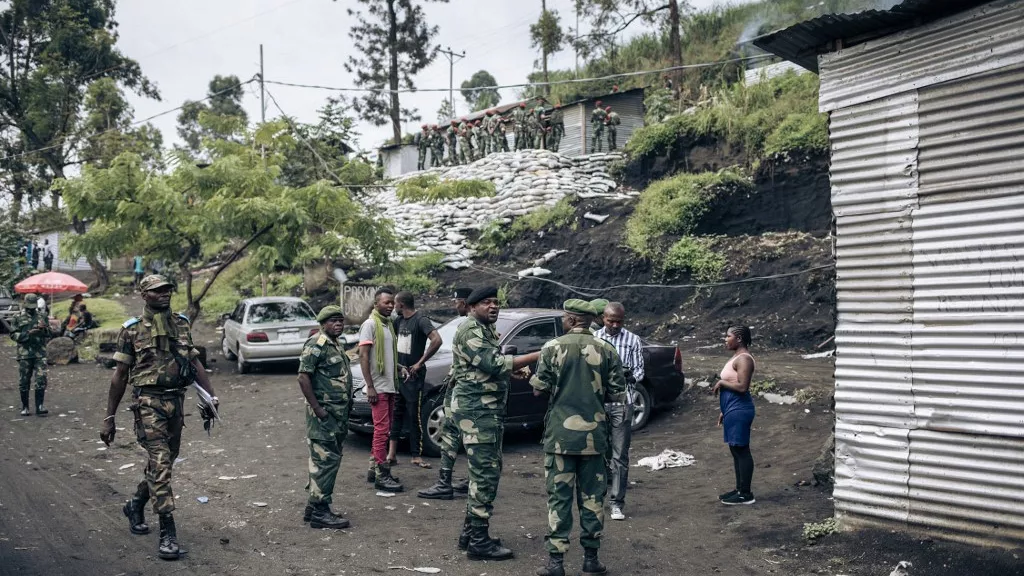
[50, 283]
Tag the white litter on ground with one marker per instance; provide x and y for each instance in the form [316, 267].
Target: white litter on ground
[420, 569]
[667, 459]
[826, 354]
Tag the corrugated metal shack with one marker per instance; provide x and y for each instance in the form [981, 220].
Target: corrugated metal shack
[926, 105]
[399, 159]
[628, 104]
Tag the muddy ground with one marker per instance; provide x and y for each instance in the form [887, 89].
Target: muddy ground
[60, 493]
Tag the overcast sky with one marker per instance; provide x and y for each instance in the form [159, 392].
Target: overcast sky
[182, 44]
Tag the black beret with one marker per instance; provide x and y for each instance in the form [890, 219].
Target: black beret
[462, 293]
[482, 294]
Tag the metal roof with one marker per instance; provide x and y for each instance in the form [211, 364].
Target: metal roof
[801, 43]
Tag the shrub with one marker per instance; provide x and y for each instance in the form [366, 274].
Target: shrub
[414, 274]
[557, 216]
[806, 132]
[815, 530]
[763, 387]
[695, 256]
[429, 188]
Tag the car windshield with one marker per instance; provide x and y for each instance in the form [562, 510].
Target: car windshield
[447, 330]
[273, 312]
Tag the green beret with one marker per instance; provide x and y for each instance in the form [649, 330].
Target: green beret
[577, 306]
[328, 312]
[597, 306]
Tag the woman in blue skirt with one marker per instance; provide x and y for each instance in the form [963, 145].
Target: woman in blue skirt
[737, 414]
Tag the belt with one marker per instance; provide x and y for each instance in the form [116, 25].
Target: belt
[162, 393]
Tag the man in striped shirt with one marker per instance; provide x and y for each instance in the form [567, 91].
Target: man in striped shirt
[620, 416]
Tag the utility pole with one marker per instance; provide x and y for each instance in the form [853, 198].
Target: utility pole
[451, 56]
[263, 107]
[575, 43]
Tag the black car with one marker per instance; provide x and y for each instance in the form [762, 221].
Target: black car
[9, 310]
[523, 331]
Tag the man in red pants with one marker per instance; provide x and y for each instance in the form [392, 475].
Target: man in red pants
[378, 359]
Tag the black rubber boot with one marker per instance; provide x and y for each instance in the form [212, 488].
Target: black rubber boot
[168, 548]
[482, 547]
[555, 566]
[322, 517]
[40, 409]
[307, 513]
[464, 537]
[440, 491]
[460, 486]
[134, 510]
[24, 403]
[385, 481]
[591, 565]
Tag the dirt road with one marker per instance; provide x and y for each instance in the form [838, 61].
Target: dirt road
[61, 491]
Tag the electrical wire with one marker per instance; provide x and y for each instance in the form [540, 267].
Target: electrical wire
[298, 135]
[525, 84]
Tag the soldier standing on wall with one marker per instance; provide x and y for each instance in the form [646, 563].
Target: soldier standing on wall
[437, 146]
[465, 131]
[519, 127]
[156, 356]
[612, 121]
[557, 128]
[597, 118]
[480, 374]
[422, 141]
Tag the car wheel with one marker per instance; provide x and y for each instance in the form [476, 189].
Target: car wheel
[225, 350]
[432, 419]
[641, 407]
[242, 366]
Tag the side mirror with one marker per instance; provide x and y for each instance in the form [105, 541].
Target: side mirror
[509, 349]
[225, 316]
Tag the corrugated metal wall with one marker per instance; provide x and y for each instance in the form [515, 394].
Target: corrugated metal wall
[929, 198]
[629, 106]
[574, 116]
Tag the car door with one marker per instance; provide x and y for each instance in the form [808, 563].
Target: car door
[528, 337]
[233, 326]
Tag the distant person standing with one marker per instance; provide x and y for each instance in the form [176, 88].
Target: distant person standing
[581, 374]
[737, 412]
[415, 331]
[613, 121]
[378, 359]
[620, 414]
[139, 270]
[48, 260]
[597, 123]
[35, 256]
[30, 331]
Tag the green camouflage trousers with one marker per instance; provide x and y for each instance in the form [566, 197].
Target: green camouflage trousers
[159, 419]
[451, 438]
[482, 438]
[326, 440]
[597, 131]
[585, 475]
[26, 368]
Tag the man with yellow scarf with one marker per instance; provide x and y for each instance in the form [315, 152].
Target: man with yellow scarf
[378, 359]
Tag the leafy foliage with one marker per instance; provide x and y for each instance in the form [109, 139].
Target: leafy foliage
[694, 255]
[414, 274]
[108, 131]
[816, 530]
[445, 112]
[322, 148]
[765, 386]
[674, 206]
[484, 97]
[10, 237]
[430, 189]
[222, 116]
[497, 235]
[547, 36]
[394, 43]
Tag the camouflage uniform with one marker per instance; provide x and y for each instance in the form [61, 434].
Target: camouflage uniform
[31, 349]
[422, 141]
[453, 153]
[534, 130]
[597, 118]
[480, 377]
[328, 368]
[581, 373]
[519, 126]
[159, 375]
[437, 147]
[465, 131]
[500, 141]
[613, 129]
[557, 129]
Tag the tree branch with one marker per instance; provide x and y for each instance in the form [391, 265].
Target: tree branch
[234, 256]
[625, 23]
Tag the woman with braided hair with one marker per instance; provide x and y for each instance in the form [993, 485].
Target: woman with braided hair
[737, 412]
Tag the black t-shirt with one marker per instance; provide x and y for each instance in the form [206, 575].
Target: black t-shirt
[412, 338]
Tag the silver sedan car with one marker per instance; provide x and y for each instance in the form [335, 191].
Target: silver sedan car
[271, 329]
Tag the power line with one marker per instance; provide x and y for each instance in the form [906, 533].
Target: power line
[527, 84]
[301, 138]
[60, 142]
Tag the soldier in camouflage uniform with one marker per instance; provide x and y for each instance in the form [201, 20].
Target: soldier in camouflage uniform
[597, 121]
[580, 373]
[452, 138]
[480, 374]
[465, 131]
[437, 146]
[488, 127]
[30, 331]
[557, 128]
[422, 141]
[519, 126]
[480, 142]
[500, 141]
[325, 379]
[612, 122]
[156, 356]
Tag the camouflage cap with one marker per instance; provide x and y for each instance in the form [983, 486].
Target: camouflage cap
[577, 306]
[154, 281]
[597, 306]
[328, 312]
[31, 301]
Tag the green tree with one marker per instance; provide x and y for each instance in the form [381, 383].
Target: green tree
[608, 18]
[445, 113]
[107, 128]
[546, 35]
[9, 268]
[394, 43]
[321, 150]
[477, 93]
[224, 106]
[238, 201]
[52, 50]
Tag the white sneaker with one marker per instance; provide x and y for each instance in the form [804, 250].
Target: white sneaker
[617, 513]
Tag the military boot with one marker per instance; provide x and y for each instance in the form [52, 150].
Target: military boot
[591, 565]
[464, 536]
[555, 566]
[307, 513]
[134, 510]
[384, 481]
[442, 490]
[40, 409]
[322, 517]
[482, 547]
[168, 548]
[24, 403]
[461, 486]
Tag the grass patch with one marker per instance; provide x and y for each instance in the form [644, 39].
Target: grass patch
[496, 235]
[763, 387]
[106, 313]
[414, 274]
[428, 188]
[694, 255]
[237, 281]
[808, 395]
[816, 530]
